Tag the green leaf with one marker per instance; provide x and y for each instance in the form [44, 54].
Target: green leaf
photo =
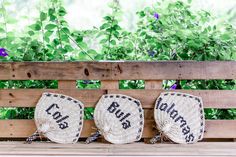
[113, 42]
[35, 27]
[48, 33]
[50, 26]
[79, 38]
[62, 11]
[99, 57]
[11, 114]
[65, 30]
[141, 13]
[43, 16]
[27, 57]
[225, 37]
[83, 45]
[51, 11]
[46, 39]
[65, 38]
[69, 48]
[56, 42]
[103, 41]
[83, 56]
[105, 26]
[31, 33]
[91, 52]
[53, 18]
[108, 18]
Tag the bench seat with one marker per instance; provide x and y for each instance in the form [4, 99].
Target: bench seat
[102, 149]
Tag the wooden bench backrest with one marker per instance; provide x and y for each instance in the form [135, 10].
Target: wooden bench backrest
[110, 73]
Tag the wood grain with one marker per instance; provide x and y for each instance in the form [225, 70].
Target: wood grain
[206, 149]
[29, 97]
[67, 84]
[153, 84]
[148, 113]
[109, 85]
[118, 70]
[24, 128]
[211, 98]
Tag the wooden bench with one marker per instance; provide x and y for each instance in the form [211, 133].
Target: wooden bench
[218, 139]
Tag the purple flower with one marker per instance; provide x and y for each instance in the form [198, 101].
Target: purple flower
[151, 53]
[173, 87]
[156, 15]
[3, 52]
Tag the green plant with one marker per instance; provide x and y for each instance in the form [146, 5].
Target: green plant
[166, 31]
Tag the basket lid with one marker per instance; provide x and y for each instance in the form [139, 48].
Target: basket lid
[119, 118]
[59, 117]
[180, 117]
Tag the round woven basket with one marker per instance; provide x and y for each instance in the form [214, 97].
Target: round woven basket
[119, 118]
[180, 117]
[59, 117]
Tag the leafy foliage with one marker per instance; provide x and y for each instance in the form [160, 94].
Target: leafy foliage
[166, 31]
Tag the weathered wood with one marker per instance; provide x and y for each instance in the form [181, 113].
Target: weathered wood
[24, 128]
[118, 70]
[67, 84]
[29, 97]
[205, 149]
[153, 84]
[109, 84]
[211, 98]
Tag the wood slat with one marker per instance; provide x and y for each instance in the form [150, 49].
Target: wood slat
[24, 128]
[67, 84]
[206, 149]
[118, 70]
[148, 113]
[109, 85]
[29, 97]
[153, 84]
[211, 98]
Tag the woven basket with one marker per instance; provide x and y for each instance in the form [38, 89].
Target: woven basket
[119, 118]
[180, 117]
[59, 117]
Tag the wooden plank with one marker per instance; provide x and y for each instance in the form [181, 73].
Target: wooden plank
[24, 128]
[153, 84]
[135, 149]
[211, 98]
[29, 97]
[109, 85]
[148, 113]
[67, 84]
[118, 70]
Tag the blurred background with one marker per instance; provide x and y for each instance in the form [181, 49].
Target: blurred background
[86, 14]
